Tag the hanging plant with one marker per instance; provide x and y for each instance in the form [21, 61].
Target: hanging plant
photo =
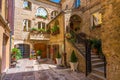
[55, 30]
[68, 35]
[41, 30]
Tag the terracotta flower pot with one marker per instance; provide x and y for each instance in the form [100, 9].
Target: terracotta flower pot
[94, 51]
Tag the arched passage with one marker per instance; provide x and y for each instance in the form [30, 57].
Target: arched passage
[25, 49]
[75, 22]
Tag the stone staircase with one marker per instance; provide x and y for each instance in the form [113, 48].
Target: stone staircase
[96, 62]
[97, 68]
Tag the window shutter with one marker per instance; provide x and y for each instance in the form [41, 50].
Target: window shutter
[29, 25]
[27, 21]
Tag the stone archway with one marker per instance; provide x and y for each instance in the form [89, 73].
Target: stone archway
[75, 23]
[25, 49]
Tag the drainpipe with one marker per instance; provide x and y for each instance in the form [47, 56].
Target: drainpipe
[10, 48]
[64, 29]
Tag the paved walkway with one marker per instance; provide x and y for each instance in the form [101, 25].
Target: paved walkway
[30, 70]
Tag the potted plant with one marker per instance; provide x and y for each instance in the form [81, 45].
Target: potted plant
[34, 30]
[73, 61]
[39, 52]
[14, 50]
[31, 57]
[95, 45]
[58, 58]
[55, 30]
[68, 35]
[41, 30]
[16, 54]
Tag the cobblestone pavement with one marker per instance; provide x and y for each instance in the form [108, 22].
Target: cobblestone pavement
[30, 70]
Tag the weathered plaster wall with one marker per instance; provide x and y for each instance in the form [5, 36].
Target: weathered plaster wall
[59, 38]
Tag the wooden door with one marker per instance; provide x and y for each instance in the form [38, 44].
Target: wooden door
[43, 48]
[55, 51]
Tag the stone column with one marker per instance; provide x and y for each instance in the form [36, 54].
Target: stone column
[111, 37]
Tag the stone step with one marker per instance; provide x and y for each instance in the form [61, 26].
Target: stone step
[99, 64]
[80, 44]
[93, 76]
[96, 60]
[99, 71]
[81, 47]
[94, 57]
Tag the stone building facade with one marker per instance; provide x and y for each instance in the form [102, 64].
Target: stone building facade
[107, 29]
[28, 16]
[97, 19]
[110, 36]
[4, 38]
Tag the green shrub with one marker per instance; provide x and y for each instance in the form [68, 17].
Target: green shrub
[14, 50]
[33, 29]
[58, 55]
[73, 57]
[16, 53]
[39, 52]
[55, 28]
[96, 44]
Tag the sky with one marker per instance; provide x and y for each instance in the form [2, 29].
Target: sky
[57, 1]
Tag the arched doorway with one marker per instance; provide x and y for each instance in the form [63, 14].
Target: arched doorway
[25, 50]
[75, 23]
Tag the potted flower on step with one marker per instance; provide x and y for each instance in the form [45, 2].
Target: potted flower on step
[73, 61]
[39, 52]
[58, 59]
[96, 44]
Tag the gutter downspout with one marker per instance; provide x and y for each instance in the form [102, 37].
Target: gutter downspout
[10, 48]
[64, 29]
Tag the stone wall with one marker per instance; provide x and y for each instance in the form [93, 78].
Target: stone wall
[22, 37]
[58, 38]
[111, 37]
[21, 14]
[81, 58]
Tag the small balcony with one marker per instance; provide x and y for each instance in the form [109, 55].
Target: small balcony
[39, 35]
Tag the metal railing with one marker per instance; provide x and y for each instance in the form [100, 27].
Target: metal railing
[80, 38]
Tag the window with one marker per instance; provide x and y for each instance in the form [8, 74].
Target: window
[77, 3]
[26, 4]
[54, 14]
[26, 25]
[42, 13]
[41, 25]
